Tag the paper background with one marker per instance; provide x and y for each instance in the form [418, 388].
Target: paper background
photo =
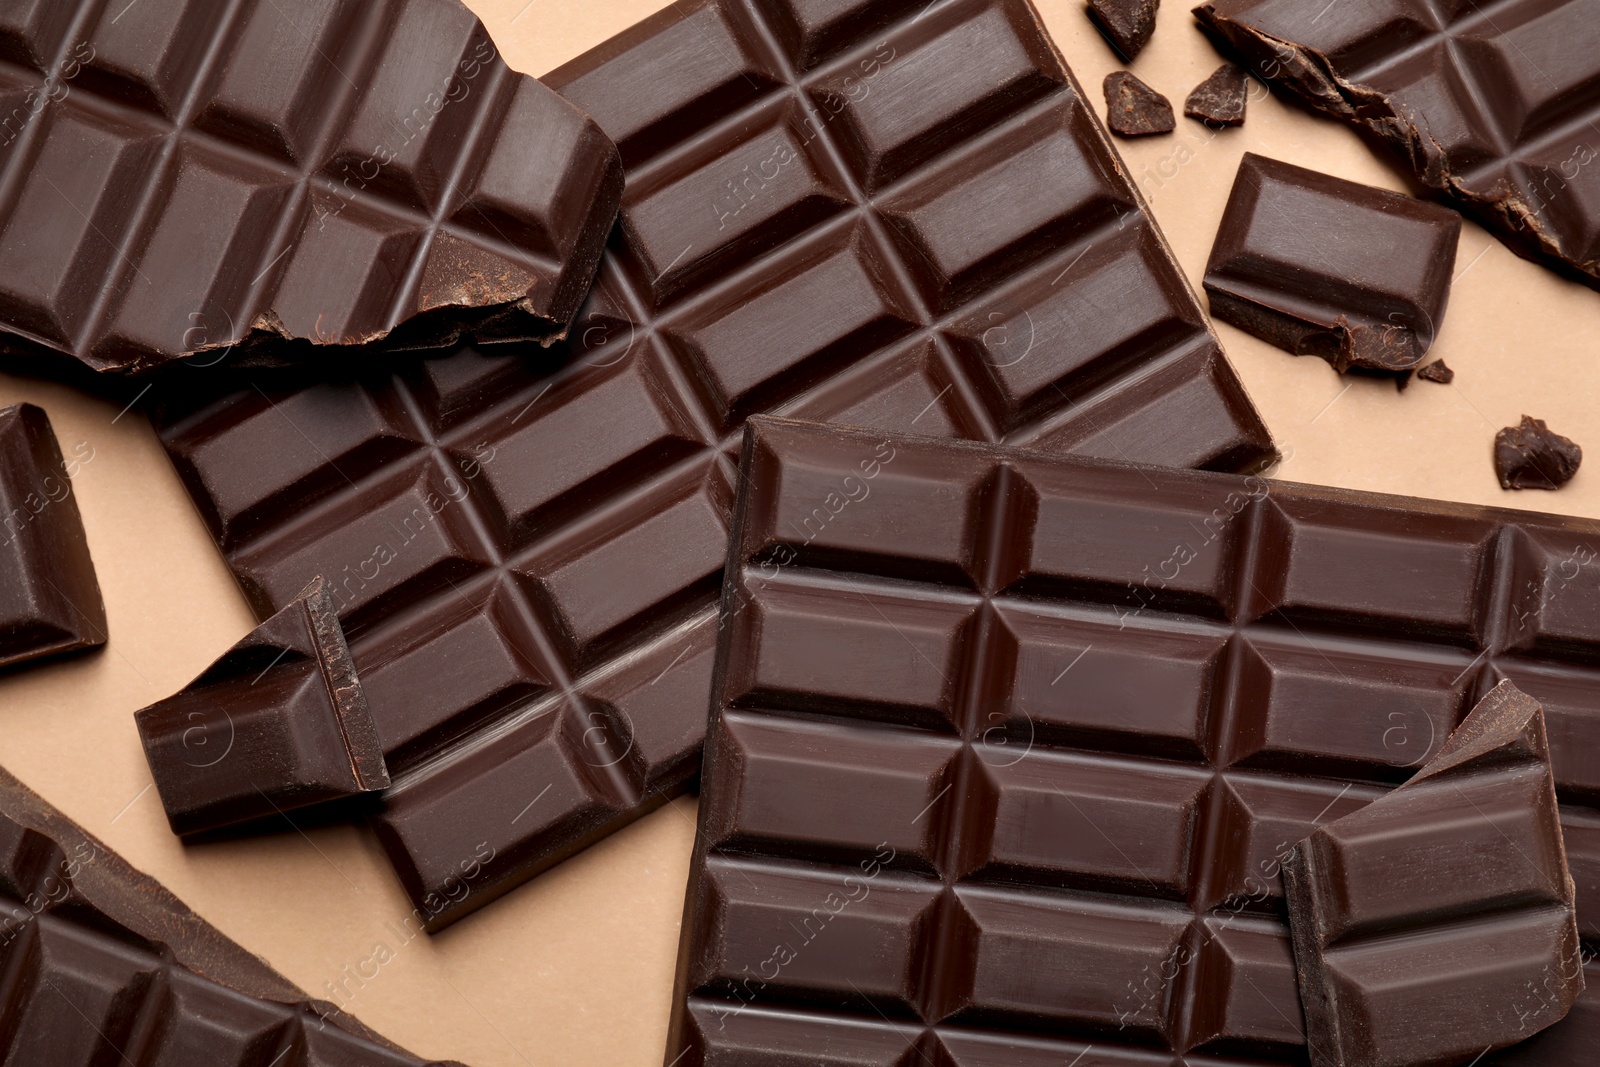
[576, 967]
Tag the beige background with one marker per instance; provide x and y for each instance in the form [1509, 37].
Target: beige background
[576, 967]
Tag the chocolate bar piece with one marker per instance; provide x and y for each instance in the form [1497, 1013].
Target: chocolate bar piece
[104, 966]
[1533, 456]
[1007, 750]
[1219, 100]
[1320, 266]
[279, 722]
[1127, 25]
[1492, 106]
[1133, 109]
[1573, 1041]
[1438, 922]
[49, 597]
[178, 177]
[526, 547]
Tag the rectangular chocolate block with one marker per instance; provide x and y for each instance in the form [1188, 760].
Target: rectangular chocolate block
[49, 597]
[885, 219]
[279, 722]
[1437, 923]
[1007, 750]
[1492, 105]
[178, 176]
[104, 966]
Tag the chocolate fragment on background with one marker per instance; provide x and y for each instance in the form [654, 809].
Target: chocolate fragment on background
[1438, 923]
[1220, 99]
[1437, 372]
[105, 966]
[49, 597]
[1133, 109]
[1127, 25]
[1491, 105]
[526, 547]
[279, 722]
[185, 176]
[1532, 456]
[1325, 267]
[1005, 754]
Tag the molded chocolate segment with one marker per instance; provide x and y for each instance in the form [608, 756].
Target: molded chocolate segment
[279, 722]
[1495, 109]
[1439, 922]
[182, 176]
[1006, 750]
[868, 213]
[49, 596]
[1321, 266]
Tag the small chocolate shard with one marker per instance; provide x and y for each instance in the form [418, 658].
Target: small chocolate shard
[1133, 109]
[1437, 372]
[1127, 25]
[1220, 99]
[1440, 921]
[1532, 456]
[1376, 347]
[278, 723]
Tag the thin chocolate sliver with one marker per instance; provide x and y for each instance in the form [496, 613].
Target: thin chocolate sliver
[1438, 923]
[1325, 267]
[280, 722]
[1220, 99]
[1006, 751]
[1533, 456]
[1133, 109]
[1127, 25]
[906, 219]
[179, 177]
[50, 599]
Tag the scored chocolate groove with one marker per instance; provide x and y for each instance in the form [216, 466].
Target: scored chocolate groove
[180, 175]
[527, 545]
[1007, 750]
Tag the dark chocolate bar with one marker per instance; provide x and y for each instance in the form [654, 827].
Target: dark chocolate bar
[103, 966]
[1007, 750]
[1321, 266]
[279, 722]
[1492, 105]
[49, 597]
[891, 218]
[178, 177]
[1437, 923]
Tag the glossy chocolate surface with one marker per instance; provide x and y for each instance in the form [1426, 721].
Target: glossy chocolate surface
[177, 176]
[1437, 923]
[49, 597]
[279, 722]
[1006, 750]
[883, 219]
[1321, 266]
[1492, 104]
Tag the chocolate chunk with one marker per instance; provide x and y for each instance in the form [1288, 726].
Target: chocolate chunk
[105, 966]
[1005, 753]
[1126, 24]
[1532, 456]
[49, 598]
[1438, 923]
[279, 722]
[184, 176]
[1320, 266]
[1523, 164]
[1437, 372]
[1220, 99]
[526, 547]
[1133, 109]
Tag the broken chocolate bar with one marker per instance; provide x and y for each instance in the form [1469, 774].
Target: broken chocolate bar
[278, 723]
[1494, 106]
[1532, 456]
[1006, 750]
[1127, 25]
[1220, 99]
[181, 177]
[1320, 266]
[49, 597]
[1438, 923]
[1133, 109]
[910, 219]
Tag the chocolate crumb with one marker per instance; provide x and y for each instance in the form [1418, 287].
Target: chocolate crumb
[1133, 109]
[1437, 372]
[1126, 24]
[1220, 99]
[1531, 456]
